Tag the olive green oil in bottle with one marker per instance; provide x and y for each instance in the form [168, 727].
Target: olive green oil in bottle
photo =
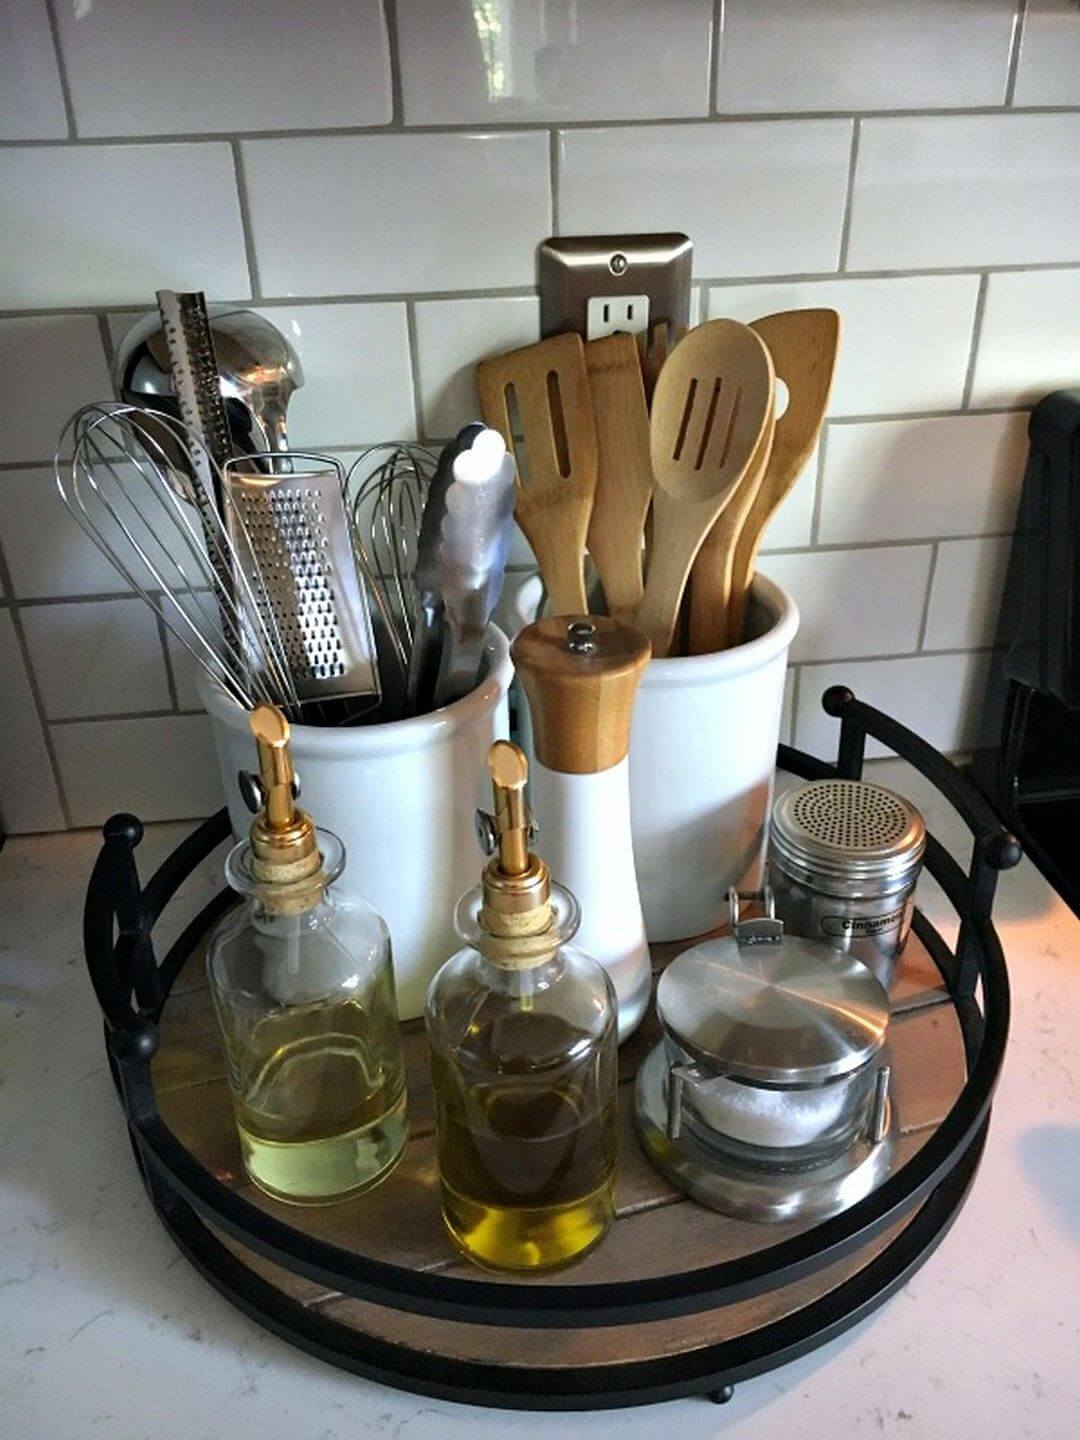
[523, 1055]
[303, 990]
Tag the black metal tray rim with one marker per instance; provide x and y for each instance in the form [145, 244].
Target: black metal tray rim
[123, 963]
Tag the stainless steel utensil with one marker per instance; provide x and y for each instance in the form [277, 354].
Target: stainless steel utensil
[291, 535]
[773, 1066]
[133, 489]
[473, 546]
[258, 371]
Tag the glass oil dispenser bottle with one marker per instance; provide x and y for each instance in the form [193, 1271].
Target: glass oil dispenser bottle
[303, 990]
[523, 1054]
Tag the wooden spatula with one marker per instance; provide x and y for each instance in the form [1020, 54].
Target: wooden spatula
[624, 470]
[549, 386]
[711, 577]
[710, 407]
[804, 346]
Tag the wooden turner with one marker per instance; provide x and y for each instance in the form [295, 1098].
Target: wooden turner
[711, 577]
[624, 470]
[804, 346]
[549, 386]
[711, 405]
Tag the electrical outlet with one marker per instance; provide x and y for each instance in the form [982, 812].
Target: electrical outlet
[598, 284]
[612, 314]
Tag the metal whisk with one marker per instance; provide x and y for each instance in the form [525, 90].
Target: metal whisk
[131, 483]
[387, 507]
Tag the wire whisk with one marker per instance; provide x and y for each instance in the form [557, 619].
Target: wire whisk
[132, 483]
[387, 507]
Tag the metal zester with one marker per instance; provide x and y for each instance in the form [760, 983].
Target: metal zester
[292, 539]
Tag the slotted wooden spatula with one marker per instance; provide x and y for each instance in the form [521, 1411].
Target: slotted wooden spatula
[804, 345]
[624, 470]
[711, 405]
[548, 387]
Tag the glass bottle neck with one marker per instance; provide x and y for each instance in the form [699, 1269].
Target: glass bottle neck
[269, 922]
[521, 983]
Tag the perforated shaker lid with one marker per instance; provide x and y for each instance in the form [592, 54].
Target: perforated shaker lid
[849, 830]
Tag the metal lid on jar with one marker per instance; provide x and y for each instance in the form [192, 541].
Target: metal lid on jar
[791, 1012]
[848, 830]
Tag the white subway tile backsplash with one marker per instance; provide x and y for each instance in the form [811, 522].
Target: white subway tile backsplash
[51, 365]
[452, 335]
[937, 696]
[792, 525]
[966, 593]
[31, 100]
[1029, 341]
[99, 657]
[854, 602]
[253, 66]
[909, 479]
[371, 214]
[942, 191]
[357, 377]
[904, 342]
[594, 60]
[847, 55]
[162, 768]
[28, 796]
[1049, 68]
[48, 554]
[110, 224]
[757, 198]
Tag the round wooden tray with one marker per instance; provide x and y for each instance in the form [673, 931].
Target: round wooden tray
[657, 1231]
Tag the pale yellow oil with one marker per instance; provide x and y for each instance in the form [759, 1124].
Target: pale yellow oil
[527, 1160]
[319, 1097]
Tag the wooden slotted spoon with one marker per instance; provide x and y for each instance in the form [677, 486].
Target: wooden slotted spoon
[624, 470]
[549, 386]
[804, 346]
[711, 405]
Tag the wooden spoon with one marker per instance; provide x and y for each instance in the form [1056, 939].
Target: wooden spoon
[549, 385]
[711, 405]
[711, 577]
[804, 346]
[624, 470]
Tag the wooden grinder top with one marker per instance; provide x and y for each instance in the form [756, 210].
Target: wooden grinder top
[580, 674]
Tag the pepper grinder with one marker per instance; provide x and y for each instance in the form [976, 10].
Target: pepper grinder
[580, 675]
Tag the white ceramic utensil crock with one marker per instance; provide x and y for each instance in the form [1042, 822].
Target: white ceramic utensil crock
[402, 796]
[702, 756]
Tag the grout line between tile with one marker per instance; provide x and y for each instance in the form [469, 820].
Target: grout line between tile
[1014, 52]
[849, 198]
[505, 127]
[61, 720]
[715, 42]
[61, 69]
[12, 608]
[924, 619]
[553, 178]
[393, 60]
[976, 335]
[414, 366]
[899, 542]
[900, 655]
[796, 683]
[170, 678]
[819, 488]
[382, 297]
[245, 220]
[106, 340]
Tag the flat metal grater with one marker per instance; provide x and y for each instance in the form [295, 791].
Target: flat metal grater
[293, 543]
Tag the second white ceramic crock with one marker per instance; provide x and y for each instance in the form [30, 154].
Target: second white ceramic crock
[702, 757]
[402, 796]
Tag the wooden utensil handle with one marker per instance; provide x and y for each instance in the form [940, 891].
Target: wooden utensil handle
[561, 562]
[673, 554]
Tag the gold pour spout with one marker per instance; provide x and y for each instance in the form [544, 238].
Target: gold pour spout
[284, 846]
[276, 774]
[516, 884]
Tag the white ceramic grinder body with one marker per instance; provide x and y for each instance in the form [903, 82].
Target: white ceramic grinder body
[580, 675]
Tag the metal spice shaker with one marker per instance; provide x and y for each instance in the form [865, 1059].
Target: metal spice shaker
[843, 861]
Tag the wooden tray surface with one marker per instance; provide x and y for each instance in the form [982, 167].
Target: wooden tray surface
[657, 1231]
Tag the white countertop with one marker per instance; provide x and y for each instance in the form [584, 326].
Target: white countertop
[106, 1331]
